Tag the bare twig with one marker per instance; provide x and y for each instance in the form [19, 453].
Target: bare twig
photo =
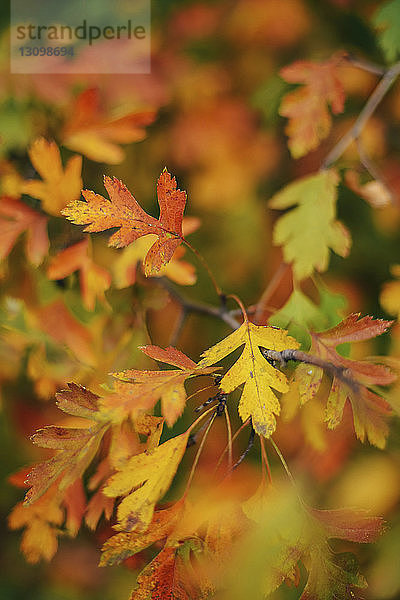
[201, 308]
[372, 103]
[365, 65]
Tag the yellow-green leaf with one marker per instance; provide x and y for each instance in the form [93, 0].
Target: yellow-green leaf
[309, 230]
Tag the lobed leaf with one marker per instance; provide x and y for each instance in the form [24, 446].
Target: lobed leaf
[310, 230]
[257, 401]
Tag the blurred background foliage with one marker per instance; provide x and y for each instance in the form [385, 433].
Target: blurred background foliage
[216, 89]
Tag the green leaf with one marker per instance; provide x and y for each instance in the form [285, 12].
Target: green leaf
[387, 21]
[309, 230]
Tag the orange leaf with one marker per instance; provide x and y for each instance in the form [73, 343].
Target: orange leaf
[91, 132]
[369, 409]
[56, 320]
[307, 107]
[122, 545]
[94, 280]
[15, 218]
[122, 211]
[41, 520]
[75, 447]
[170, 576]
[59, 186]
[150, 386]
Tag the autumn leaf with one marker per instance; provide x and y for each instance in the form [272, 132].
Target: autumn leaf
[149, 475]
[387, 21]
[122, 545]
[94, 280]
[125, 265]
[150, 386]
[310, 229]
[369, 409]
[171, 576]
[307, 107]
[75, 447]
[299, 314]
[90, 131]
[41, 521]
[257, 401]
[122, 211]
[59, 186]
[60, 325]
[375, 192]
[17, 218]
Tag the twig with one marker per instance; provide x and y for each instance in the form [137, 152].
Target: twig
[373, 101]
[339, 372]
[196, 307]
[365, 65]
[249, 446]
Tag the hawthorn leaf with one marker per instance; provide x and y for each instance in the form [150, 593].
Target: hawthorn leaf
[122, 545]
[122, 211]
[170, 576]
[125, 265]
[375, 192]
[94, 280]
[310, 229]
[60, 325]
[307, 107]
[149, 386]
[59, 186]
[143, 481]
[387, 21]
[17, 218]
[331, 577]
[90, 131]
[370, 411]
[257, 401]
[75, 447]
[354, 525]
[41, 521]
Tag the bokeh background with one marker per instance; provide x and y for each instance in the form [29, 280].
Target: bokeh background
[216, 90]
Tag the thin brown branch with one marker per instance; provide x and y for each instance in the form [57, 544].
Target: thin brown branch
[340, 373]
[372, 103]
[200, 308]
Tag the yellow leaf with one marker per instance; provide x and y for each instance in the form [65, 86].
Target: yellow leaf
[308, 231]
[258, 401]
[59, 186]
[149, 474]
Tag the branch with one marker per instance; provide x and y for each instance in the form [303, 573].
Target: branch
[201, 308]
[365, 65]
[372, 103]
[340, 373]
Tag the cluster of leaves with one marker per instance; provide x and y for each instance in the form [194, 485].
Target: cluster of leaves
[79, 310]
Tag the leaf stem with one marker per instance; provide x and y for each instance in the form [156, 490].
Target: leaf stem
[229, 430]
[199, 451]
[206, 266]
[265, 459]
